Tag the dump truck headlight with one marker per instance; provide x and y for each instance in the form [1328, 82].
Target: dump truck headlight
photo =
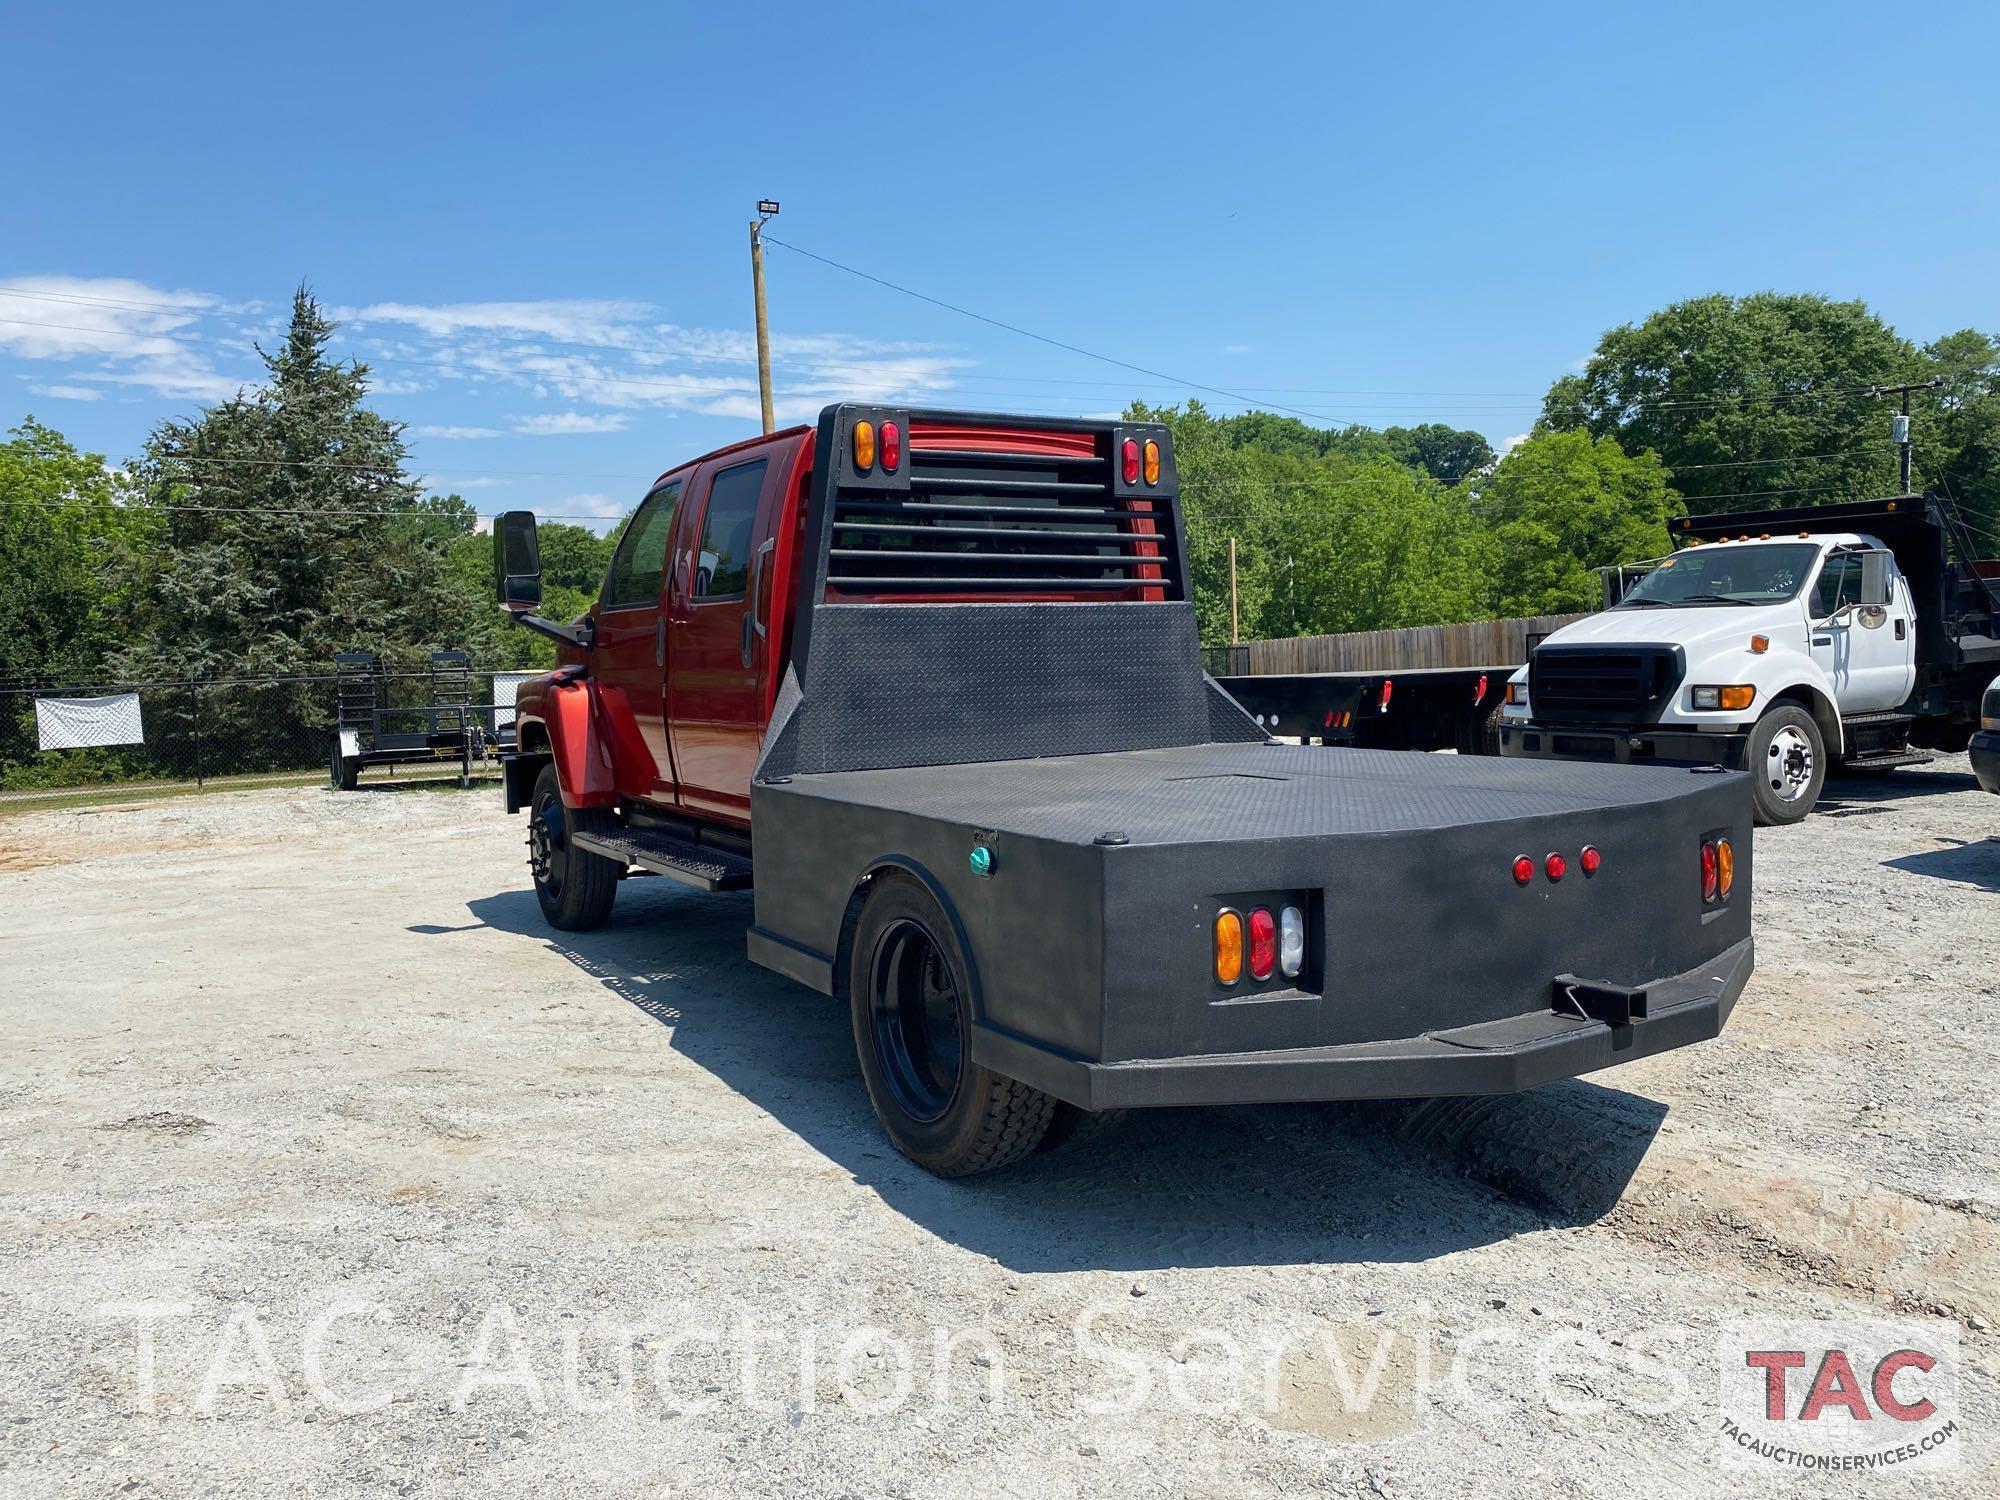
[1517, 694]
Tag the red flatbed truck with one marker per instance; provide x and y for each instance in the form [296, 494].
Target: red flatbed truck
[926, 681]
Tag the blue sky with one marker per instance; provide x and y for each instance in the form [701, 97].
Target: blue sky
[533, 218]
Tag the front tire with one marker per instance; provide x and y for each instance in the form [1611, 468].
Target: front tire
[910, 996]
[1787, 764]
[575, 888]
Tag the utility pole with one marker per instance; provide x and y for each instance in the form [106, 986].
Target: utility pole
[767, 209]
[1899, 429]
[1235, 628]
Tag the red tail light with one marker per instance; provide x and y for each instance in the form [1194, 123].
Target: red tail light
[1556, 866]
[1263, 944]
[1129, 460]
[1388, 692]
[1711, 875]
[1590, 859]
[1524, 870]
[891, 446]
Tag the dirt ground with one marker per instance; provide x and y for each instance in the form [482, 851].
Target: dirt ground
[326, 1168]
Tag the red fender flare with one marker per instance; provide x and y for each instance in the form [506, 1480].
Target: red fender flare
[564, 704]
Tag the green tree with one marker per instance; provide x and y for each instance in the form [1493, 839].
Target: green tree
[291, 533]
[1750, 401]
[1447, 454]
[1561, 505]
[67, 545]
[1958, 430]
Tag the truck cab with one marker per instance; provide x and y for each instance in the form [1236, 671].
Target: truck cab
[1783, 643]
[927, 684]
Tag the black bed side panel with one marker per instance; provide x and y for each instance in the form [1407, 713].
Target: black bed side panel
[892, 685]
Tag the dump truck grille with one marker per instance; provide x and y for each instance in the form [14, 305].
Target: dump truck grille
[1602, 684]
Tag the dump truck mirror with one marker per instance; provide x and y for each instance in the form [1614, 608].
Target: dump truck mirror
[517, 561]
[1874, 580]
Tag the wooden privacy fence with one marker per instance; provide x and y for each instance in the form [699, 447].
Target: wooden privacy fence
[1478, 643]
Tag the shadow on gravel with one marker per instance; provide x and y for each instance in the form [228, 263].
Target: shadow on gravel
[1961, 862]
[1842, 793]
[1271, 1185]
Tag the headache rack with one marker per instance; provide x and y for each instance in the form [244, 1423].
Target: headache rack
[996, 508]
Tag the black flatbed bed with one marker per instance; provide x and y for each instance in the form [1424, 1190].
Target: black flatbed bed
[1229, 793]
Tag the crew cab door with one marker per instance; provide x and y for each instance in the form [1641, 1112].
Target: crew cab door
[1869, 655]
[716, 653]
[629, 658]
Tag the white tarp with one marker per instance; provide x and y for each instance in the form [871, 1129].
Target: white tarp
[505, 685]
[77, 723]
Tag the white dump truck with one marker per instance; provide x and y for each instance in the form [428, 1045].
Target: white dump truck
[1781, 642]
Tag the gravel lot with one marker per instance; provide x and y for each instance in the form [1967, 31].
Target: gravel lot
[419, 1200]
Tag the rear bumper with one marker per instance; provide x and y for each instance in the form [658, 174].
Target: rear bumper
[1985, 753]
[1493, 1057]
[1642, 745]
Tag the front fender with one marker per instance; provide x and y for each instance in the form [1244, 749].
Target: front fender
[1782, 674]
[565, 708]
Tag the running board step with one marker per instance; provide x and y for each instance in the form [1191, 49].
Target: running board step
[678, 859]
[1888, 761]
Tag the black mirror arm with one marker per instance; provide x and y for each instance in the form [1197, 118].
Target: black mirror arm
[580, 635]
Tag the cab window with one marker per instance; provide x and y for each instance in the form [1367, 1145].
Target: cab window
[723, 568]
[1839, 583]
[634, 578]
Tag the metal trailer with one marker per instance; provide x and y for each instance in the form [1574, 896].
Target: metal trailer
[1419, 708]
[370, 731]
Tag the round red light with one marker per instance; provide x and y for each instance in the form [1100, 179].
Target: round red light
[1710, 876]
[1590, 859]
[1263, 944]
[1129, 460]
[1524, 869]
[1556, 866]
[892, 446]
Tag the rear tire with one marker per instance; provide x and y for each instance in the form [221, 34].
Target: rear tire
[910, 997]
[1787, 765]
[344, 771]
[575, 888]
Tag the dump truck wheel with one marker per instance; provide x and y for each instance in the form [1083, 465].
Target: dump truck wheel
[1787, 765]
[575, 888]
[910, 995]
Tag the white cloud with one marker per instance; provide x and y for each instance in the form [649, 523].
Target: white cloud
[1236, 349]
[565, 319]
[68, 392]
[120, 331]
[549, 424]
[1508, 445]
[428, 431]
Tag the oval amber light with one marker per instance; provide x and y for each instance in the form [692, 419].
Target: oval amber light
[1152, 463]
[1228, 947]
[1263, 944]
[864, 445]
[892, 446]
[1725, 866]
[1128, 461]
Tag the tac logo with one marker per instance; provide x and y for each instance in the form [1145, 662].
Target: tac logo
[1839, 1395]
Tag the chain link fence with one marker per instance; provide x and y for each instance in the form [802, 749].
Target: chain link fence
[73, 745]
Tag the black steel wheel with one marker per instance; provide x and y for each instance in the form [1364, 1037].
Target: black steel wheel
[575, 888]
[909, 994]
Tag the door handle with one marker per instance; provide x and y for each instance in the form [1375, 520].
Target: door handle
[751, 624]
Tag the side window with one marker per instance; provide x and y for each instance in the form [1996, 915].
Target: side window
[724, 565]
[634, 578]
[1839, 583]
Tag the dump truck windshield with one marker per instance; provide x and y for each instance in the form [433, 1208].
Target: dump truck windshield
[1726, 575]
